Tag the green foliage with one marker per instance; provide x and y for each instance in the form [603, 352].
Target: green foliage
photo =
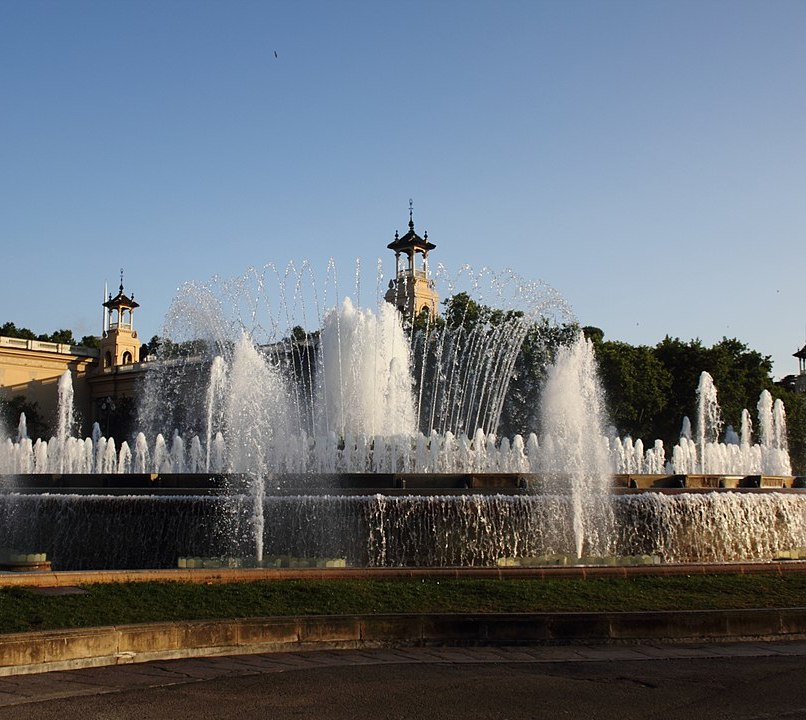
[63, 335]
[185, 349]
[9, 329]
[461, 311]
[60, 336]
[90, 341]
[151, 348]
[636, 384]
[298, 333]
[423, 322]
[594, 334]
[740, 374]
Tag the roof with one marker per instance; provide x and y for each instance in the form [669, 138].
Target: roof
[411, 240]
[800, 353]
[121, 300]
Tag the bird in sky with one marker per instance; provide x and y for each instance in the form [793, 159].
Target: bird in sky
[275, 53]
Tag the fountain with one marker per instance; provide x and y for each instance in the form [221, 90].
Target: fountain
[366, 443]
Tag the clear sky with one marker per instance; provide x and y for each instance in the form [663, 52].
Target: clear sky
[647, 159]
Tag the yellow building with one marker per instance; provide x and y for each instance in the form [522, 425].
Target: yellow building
[32, 368]
[105, 380]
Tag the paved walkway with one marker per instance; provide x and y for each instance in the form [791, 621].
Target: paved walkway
[745, 680]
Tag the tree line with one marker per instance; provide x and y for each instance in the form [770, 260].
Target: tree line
[63, 336]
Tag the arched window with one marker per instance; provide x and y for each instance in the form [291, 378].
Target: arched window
[108, 359]
[127, 358]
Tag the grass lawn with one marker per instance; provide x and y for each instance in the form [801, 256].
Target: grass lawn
[24, 609]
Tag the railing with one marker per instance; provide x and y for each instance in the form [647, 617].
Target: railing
[420, 274]
[43, 346]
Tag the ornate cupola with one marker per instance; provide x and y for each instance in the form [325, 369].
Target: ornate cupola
[119, 342]
[801, 356]
[412, 290]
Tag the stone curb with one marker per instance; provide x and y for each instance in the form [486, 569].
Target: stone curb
[73, 578]
[26, 653]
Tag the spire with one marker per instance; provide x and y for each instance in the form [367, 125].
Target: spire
[121, 280]
[411, 241]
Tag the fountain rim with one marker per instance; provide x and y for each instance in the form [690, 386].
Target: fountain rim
[391, 484]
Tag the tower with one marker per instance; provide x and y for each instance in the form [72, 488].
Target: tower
[801, 356]
[119, 342]
[412, 290]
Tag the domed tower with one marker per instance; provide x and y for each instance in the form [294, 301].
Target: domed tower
[412, 290]
[119, 343]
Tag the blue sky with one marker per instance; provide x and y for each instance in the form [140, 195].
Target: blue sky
[647, 159]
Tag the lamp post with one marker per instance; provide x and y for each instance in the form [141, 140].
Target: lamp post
[107, 407]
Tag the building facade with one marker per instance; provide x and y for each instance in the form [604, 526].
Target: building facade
[106, 380]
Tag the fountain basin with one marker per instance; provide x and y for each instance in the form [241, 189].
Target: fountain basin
[386, 483]
[468, 520]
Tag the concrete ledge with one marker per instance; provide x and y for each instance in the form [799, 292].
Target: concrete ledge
[74, 578]
[25, 653]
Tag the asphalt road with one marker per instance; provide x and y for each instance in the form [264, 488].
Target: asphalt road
[743, 681]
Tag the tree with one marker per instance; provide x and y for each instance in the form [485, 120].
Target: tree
[9, 329]
[90, 341]
[594, 334]
[740, 375]
[150, 348]
[636, 386]
[425, 322]
[63, 336]
[462, 311]
[60, 336]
